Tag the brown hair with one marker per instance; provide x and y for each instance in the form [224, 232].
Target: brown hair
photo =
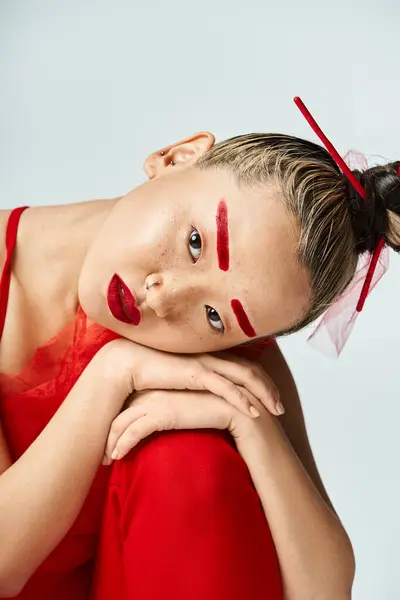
[336, 225]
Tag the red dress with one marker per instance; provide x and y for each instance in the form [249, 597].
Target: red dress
[28, 401]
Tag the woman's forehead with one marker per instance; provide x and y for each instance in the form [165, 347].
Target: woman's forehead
[264, 265]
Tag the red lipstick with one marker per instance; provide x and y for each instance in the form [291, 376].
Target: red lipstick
[121, 302]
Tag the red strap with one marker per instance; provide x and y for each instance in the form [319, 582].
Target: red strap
[11, 238]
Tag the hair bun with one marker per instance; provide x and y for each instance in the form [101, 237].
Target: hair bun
[371, 216]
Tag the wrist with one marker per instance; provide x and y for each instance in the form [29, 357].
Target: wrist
[263, 433]
[111, 370]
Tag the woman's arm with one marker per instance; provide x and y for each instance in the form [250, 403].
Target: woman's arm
[314, 552]
[293, 423]
[42, 493]
[313, 549]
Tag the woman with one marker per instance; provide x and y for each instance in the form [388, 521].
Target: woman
[186, 263]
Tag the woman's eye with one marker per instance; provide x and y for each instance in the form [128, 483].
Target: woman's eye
[195, 245]
[214, 319]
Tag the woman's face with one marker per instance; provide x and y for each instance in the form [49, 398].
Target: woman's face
[210, 265]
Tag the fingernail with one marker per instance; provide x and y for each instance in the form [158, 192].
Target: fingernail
[115, 455]
[254, 411]
[280, 408]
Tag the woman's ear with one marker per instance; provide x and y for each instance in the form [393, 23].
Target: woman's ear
[181, 154]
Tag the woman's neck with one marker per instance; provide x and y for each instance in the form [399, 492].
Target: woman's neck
[51, 248]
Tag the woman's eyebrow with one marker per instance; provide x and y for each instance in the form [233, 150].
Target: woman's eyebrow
[222, 236]
[223, 263]
[242, 318]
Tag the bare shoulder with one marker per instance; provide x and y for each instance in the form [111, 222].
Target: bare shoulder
[292, 421]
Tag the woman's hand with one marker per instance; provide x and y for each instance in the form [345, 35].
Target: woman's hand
[160, 410]
[234, 379]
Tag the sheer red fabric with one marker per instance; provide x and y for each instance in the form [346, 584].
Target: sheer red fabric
[27, 403]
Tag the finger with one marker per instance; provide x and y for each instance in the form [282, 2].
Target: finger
[252, 372]
[256, 402]
[231, 392]
[249, 375]
[118, 426]
[252, 399]
[136, 432]
[260, 372]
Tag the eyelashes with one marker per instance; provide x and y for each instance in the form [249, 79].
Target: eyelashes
[195, 246]
[214, 319]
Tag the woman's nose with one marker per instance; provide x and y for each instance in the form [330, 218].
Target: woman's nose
[167, 295]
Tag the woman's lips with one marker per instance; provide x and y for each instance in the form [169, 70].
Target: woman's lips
[121, 302]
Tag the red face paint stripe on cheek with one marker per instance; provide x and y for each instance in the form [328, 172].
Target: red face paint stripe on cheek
[222, 236]
[242, 318]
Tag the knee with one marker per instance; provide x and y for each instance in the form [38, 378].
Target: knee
[199, 463]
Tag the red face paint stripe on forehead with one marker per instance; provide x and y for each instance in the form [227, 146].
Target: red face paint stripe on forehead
[242, 318]
[222, 236]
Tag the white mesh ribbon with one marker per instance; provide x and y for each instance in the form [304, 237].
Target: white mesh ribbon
[335, 326]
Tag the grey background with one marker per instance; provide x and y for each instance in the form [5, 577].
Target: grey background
[89, 88]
